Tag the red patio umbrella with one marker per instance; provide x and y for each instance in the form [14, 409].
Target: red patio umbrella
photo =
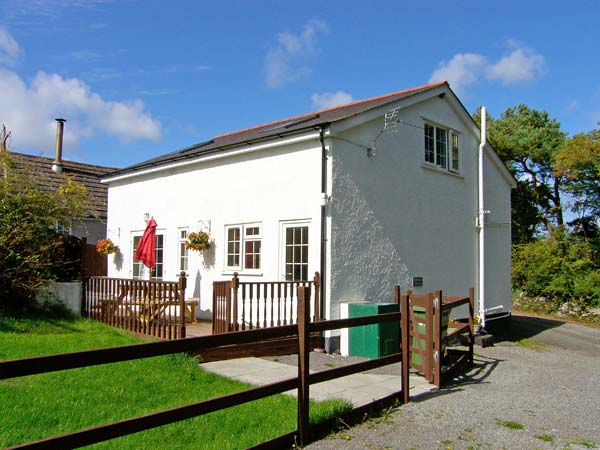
[145, 251]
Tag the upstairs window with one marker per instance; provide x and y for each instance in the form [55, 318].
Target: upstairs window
[441, 147]
[243, 247]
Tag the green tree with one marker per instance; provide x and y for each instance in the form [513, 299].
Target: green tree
[525, 216]
[527, 140]
[32, 251]
[579, 162]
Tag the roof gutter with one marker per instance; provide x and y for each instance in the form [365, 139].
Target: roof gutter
[213, 156]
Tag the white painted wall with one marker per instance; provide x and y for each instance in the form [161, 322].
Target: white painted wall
[497, 238]
[268, 186]
[394, 218]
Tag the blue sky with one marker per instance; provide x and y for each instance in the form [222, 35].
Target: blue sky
[136, 79]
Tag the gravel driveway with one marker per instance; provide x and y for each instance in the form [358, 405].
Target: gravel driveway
[538, 387]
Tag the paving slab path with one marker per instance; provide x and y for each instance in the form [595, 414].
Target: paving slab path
[360, 388]
[538, 387]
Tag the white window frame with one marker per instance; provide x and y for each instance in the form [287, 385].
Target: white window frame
[454, 135]
[284, 225]
[443, 160]
[183, 259]
[244, 229]
[144, 272]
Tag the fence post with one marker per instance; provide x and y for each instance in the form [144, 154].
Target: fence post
[437, 333]
[303, 364]
[405, 342]
[398, 295]
[427, 364]
[317, 283]
[471, 324]
[182, 286]
[235, 284]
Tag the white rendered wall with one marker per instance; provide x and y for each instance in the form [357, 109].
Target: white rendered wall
[394, 217]
[497, 239]
[266, 187]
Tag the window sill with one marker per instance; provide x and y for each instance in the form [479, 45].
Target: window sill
[241, 273]
[440, 170]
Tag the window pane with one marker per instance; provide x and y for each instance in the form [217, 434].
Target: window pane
[233, 247]
[252, 251]
[429, 144]
[455, 151]
[183, 257]
[441, 139]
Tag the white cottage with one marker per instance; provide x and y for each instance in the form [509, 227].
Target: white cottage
[371, 194]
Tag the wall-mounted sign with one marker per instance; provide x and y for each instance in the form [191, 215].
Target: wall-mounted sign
[417, 281]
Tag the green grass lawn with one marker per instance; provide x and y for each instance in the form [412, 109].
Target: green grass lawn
[44, 405]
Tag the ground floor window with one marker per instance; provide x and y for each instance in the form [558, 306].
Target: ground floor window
[295, 251]
[139, 270]
[183, 250]
[244, 244]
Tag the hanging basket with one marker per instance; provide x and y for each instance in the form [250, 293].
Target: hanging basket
[106, 247]
[198, 241]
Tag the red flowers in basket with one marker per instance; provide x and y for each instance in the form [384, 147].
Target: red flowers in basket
[106, 247]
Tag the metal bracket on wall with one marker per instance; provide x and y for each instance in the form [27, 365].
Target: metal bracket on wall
[204, 224]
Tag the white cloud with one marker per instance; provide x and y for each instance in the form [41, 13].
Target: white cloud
[287, 61]
[10, 50]
[463, 69]
[330, 99]
[522, 64]
[29, 112]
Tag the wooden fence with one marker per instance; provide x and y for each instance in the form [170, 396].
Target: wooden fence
[300, 331]
[429, 331]
[242, 305]
[93, 264]
[153, 308]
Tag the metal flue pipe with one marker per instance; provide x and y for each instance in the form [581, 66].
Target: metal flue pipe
[57, 165]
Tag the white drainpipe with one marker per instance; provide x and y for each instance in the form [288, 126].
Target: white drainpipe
[481, 222]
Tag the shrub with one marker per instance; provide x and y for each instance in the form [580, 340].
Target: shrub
[560, 267]
[32, 250]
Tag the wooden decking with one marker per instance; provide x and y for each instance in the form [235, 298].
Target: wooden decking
[198, 328]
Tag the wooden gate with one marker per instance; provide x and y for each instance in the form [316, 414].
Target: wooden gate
[428, 333]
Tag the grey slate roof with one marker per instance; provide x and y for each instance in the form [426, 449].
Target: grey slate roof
[279, 127]
[88, 175]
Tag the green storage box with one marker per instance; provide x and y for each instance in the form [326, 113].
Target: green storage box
[377, 340]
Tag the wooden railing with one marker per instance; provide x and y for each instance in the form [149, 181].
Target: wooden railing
[428, 332]
[301, 331]
[154, 308]
[242, 305]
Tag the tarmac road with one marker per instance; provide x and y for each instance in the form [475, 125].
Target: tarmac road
[538, 387]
